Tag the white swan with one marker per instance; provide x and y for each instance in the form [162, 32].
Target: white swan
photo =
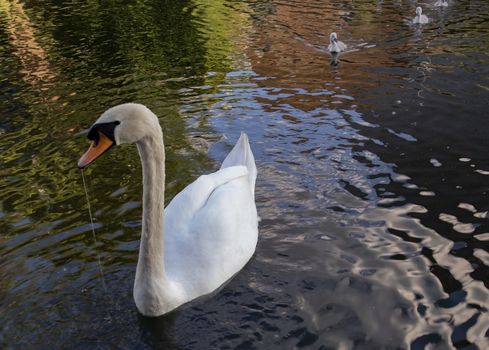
[420, 18]
[441, 3]
[335, 45]
[205, 235]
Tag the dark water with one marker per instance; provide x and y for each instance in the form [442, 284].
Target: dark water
[373, 172]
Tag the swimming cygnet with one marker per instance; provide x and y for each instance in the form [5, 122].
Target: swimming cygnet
[335, 45]
[420, 18]
[441, 3]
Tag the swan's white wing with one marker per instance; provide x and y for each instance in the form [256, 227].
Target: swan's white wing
[211, 230]
[337, 47]
[341, 45]
[423, 19]
[185, 204]
[226, 232]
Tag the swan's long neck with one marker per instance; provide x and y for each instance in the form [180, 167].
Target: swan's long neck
[150, 270]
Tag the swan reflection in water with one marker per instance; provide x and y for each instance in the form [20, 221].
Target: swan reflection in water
[159, 331]
[334, 59]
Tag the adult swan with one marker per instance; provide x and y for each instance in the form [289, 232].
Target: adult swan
[204, 236]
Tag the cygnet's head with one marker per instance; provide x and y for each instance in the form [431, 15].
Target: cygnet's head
[125, 123]
[333, 37]
[419, 11]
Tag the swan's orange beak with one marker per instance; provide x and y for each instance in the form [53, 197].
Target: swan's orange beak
[97, 148]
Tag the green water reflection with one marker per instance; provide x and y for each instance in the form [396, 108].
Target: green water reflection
[62, 64]
[88, 56]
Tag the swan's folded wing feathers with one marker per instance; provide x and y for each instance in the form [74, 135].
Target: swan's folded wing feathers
[193, 197]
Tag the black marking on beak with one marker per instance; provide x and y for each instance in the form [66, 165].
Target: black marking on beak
[107, 129]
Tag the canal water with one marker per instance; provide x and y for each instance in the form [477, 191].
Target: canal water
[373, 170]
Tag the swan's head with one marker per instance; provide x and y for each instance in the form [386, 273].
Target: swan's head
[125, 123]
[419, 11]
[333, 38]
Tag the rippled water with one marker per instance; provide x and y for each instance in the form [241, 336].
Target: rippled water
[373, 170]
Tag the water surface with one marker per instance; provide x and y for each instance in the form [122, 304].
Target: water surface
[373, 170]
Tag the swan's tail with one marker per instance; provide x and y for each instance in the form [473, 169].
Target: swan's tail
[241, 155]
